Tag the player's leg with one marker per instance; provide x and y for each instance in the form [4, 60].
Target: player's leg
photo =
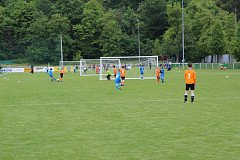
[192, 93]
[157, 81]
[162, 78]
[116, 85]
[61, 76]
[123, 80]
[186, 93]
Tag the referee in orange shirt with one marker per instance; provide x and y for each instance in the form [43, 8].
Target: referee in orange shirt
[190, 79]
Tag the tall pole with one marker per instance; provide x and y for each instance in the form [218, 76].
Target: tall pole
[139, 49]
[183, 60]
[61, 51]
[235, 20]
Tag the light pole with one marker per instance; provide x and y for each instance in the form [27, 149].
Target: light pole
[183, 60]
[61, 51]
[139, 49]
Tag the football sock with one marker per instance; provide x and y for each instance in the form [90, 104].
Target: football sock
[117, 87]
[192, 98]
[185, 98]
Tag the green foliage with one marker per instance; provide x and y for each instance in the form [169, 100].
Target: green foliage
[202, 19]
[30, 30]
[154, 15]
[77, 56]
[172, 38]
[111, 37]
[157, 50]
[89, 31]
[235, 50]
[216, 40]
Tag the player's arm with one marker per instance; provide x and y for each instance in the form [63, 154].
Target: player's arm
[195, 78]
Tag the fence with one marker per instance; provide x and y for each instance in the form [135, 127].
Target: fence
[208, 65]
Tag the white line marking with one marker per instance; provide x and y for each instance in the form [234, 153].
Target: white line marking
[104, 102]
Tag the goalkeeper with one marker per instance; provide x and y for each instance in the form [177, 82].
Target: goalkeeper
[190, 79]
[108, 75]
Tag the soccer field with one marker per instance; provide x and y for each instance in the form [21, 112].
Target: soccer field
[84, 118]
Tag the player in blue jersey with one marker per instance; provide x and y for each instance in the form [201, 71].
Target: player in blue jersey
[118, 80]
[141, 71]
[162, 74]
[50, 72]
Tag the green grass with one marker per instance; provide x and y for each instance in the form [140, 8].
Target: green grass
[84, 118]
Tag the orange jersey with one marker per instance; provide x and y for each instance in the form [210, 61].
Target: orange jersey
[97, 69]
[190, 76]
[114, 70]
[62, 71]
[123, 72]
[157, 72]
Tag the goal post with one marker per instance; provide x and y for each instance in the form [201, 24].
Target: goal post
[132, 66]
[88, 67]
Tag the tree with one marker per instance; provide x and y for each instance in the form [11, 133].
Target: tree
[235, 49]
[111, 37]
[157, 50]
[89, 31]
[168, 43]
[201, 17]
[231, 6]
[217, 40]
[154, 15]
[72, 9]
[121, 4]
[7, 40]
[23, 15]
[173, 36]
[44, 42]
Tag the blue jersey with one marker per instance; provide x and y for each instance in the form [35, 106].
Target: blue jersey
[117, 79]
[162, 73]
[50, 72]
[141, 70]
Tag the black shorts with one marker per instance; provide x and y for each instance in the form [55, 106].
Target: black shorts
[123, 77]
[114, 75]
[108, 77]
[61, 75]
[191, 86]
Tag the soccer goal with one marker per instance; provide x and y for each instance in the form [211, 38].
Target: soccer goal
[107, 65]
[89, 67]
[132, 66]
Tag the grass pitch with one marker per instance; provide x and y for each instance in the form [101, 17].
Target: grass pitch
[84, 118]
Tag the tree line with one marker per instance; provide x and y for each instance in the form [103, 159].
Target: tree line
[30, 30]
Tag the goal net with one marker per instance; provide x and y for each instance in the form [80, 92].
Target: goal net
[89, 67]
[132, 65]
[107, 65]
[71, 66]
